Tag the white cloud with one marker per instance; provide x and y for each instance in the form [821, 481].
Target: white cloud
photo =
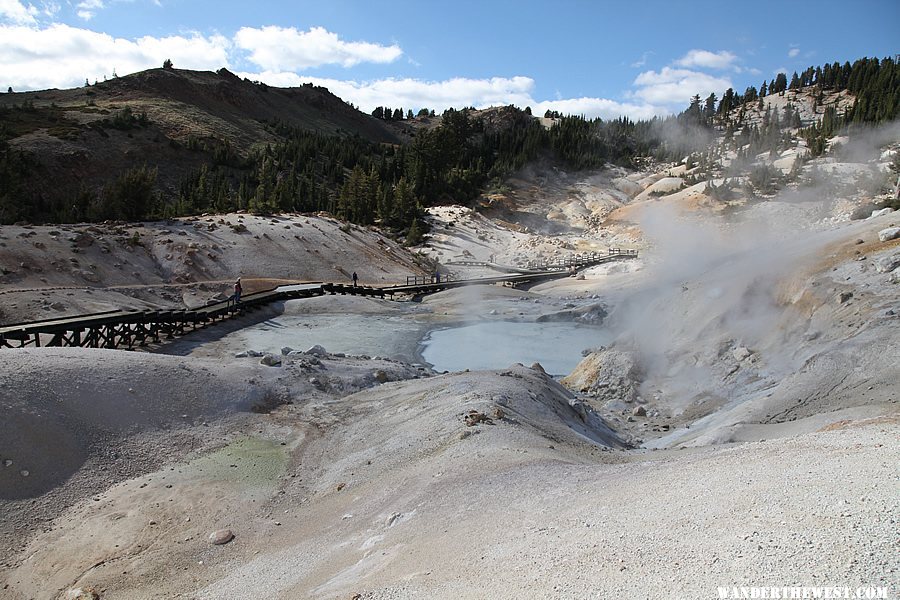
[458, 92]
[704, 59]
[643, 60]
[794, 52]
[276, 48]
[677, 86]
[50, 9]
[600, 107]
[63, 56]
[14, 11]
[87, 8]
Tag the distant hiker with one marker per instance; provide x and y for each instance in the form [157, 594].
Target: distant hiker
[237, 291]
[355, 278]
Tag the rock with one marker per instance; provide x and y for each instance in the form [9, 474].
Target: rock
[891, 233]
[241, 354]
[220, 536]
[270, 360]
[89, 276]
[608, 375]
[883, 211]
[87, 593]
[538, 367]
[380, 376]
[82, 240]
[24, 473]
[286, 350]
[317, 350]
[858, 242]
[845, 297]
[639, 411]
[887, 264]
[740, 353]
[7, 462]
[474, 417]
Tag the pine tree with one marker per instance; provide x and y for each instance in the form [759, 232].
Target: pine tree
[780, 84]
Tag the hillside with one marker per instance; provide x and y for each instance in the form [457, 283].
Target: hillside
[55, 271]
[174, 121]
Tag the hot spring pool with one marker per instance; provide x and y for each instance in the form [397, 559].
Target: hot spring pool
[498, 344]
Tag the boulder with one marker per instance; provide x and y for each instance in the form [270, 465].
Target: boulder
[317, 350]
[887, 264]
[286, 350]
[89, 276]
[270, 360]
[883, 211]
[609, 375]
[740, 353]
[891, 233]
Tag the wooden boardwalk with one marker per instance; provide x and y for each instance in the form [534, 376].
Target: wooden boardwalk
[128, 329]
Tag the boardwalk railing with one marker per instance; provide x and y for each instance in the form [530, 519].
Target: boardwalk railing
[583, 260]
[426, 279]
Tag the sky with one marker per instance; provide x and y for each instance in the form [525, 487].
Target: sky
[597, 58]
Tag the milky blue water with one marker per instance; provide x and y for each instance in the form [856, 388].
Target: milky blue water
[499, 344]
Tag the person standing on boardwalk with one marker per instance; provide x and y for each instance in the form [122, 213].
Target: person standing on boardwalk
[355, 278]
[237, 290]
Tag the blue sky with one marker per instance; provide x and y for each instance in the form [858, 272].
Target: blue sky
[595, 58]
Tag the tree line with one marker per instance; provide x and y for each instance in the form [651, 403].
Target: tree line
[369, 183]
